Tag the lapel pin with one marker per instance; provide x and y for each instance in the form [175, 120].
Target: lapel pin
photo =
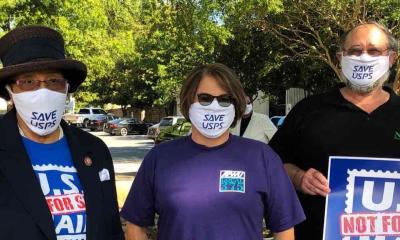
[88, 161]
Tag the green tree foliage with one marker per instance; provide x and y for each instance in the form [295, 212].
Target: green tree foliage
[97, 32]
[180, 35]
[139, 51]
[293, 43]
[311, 30]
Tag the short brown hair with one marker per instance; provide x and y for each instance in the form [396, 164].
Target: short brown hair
[225, 77]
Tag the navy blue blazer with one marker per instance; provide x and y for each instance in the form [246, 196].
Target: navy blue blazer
[24, 213]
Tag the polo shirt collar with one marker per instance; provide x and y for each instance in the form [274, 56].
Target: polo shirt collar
[336, 98]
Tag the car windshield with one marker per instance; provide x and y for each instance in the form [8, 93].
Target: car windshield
[84, 111]
[166, 122]
[123, 120]
[98, 111]
[133, 120]
[100, 117]
[111, 117]
[117, 120]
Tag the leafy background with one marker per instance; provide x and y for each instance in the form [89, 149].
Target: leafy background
[139, 51]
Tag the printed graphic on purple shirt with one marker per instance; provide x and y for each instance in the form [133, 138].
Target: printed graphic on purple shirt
[232, 181]
[61, 187]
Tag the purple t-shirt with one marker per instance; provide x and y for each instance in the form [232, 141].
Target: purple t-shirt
[221, 192]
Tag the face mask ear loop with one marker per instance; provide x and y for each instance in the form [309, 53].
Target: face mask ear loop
[67, 89]
[390, 53]
[8, 88]
[341, 59]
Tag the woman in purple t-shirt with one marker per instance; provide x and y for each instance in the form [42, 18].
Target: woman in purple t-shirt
[211, 184]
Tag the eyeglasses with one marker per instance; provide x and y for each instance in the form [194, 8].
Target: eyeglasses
[374, 52]
[224, 100]
[56, 84]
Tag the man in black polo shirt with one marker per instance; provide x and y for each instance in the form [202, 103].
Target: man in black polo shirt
[361, 119]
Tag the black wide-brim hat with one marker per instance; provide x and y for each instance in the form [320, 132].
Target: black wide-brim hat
[36, 48]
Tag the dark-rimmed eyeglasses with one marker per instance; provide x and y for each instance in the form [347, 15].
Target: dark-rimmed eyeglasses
[224, 100]
[374, 52]
[54, 84]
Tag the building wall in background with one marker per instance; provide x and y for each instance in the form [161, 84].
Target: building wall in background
[293, 96]
[261, 104]
[153, 114]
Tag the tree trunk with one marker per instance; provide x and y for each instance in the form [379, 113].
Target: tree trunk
[124, 110]
[170, 108]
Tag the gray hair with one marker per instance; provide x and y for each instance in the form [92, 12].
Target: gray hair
[393, 44]
[367, 89]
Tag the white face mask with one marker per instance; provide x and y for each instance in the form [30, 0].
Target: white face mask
[212, 120]
[363, 71]
[249, 108]
[41, 110]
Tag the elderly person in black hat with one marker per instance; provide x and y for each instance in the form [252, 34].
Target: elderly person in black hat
[56, 181]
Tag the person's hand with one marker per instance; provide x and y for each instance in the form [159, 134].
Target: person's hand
[313, 182]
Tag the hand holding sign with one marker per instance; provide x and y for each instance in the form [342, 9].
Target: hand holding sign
[314, 182]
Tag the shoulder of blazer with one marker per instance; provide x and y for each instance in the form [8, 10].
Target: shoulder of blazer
[10, 137]
[259, 120]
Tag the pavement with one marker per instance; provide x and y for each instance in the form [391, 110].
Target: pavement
[127, 154]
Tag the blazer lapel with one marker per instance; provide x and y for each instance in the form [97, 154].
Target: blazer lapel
[89, 179]
[17, 169]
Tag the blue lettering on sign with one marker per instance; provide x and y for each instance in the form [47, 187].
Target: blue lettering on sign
[377, 195]
[375, 208]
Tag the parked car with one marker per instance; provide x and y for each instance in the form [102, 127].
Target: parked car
[150, 124]
[99, 122]
[82, 118]
[165, 122]
[125, 126]
[153, 131]
[277, 120]
[180, 129]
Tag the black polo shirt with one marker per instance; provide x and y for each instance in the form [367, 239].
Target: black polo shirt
[329, 125]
